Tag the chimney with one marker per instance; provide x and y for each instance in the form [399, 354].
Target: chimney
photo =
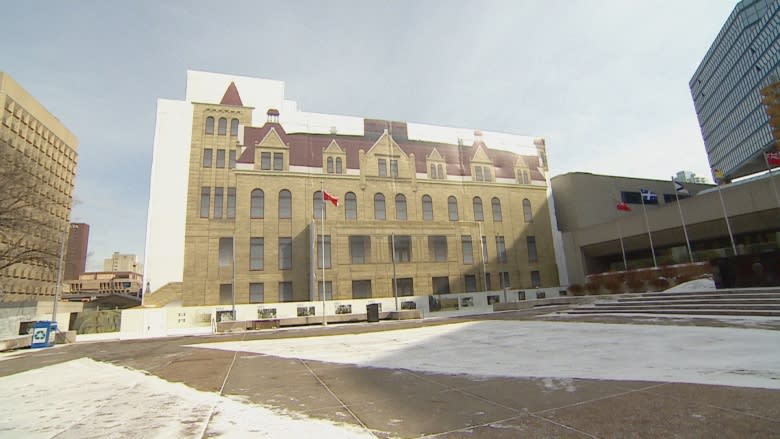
[273, 115]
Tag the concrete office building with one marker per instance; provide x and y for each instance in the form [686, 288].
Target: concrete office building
[726, 88]
[235, 161]
[122, 262]
[592, 226]
[76, 251]
[36, 142]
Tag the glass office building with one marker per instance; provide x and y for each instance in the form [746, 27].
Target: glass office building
[726, 88]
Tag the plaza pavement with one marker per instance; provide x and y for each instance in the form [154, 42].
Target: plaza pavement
[372, 401]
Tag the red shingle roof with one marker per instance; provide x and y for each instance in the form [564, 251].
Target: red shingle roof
[231, 96]
[306, 150]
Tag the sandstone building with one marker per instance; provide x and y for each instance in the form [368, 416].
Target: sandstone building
[423, 209]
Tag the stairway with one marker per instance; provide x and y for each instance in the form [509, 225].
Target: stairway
[763, 302]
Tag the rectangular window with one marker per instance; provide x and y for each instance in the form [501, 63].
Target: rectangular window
[468, 251]
[500, 250]
[470, 282]
[218, 195]
[536, 279]
[394, 168]
[225, 294]
[361, 289]
[285, 253]
[265, 161]
[220, 158]
[403, 248]
[484, 250]
[225, 252]
[531, 242]
[256, 292]
[256, 253]
[488, 283]
[631, 197]
[504, 277]
[320, 260]
[232, 159]
[478, 173]
[441, 285]
[205, 196]
[328, 290]
[382, 165]
[359, 249]
[207, 157]
[285, 291]
[231, 202]
[437, 247]
[405, 286]
[278, 161]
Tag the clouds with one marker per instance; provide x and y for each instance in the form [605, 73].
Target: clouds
[604, 81]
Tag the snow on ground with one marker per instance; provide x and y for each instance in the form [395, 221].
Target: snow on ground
[85, 398]
[694, 285]
[725, 356]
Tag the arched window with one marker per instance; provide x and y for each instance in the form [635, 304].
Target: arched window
[317, 205]
[339, 169]
[350, 206]
[528, 215]
[440, 168]
[452, 208]
[478, 214]
[209, 125]
[233, 127]
[427, 208]
[222, 127]
[400, 207]
[330, 165]
[285, 204]
[379, 206]
[496, 204]
[257, 209]
[433, 171]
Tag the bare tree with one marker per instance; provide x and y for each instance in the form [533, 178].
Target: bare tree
[30, 230]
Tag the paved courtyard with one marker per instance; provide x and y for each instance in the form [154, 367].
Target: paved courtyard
[503, 375]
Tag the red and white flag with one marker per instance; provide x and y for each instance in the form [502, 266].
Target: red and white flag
[773, 159]
[623, 207]
[333, 199]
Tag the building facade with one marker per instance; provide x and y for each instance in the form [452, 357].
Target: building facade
[595, 233]
[92, 285]
[76, 251]
[122, 262]
[726, 88]
[37, 146]
[416, 214]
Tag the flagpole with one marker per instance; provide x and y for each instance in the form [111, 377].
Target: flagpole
[726, 217]
[622, 248]
[322, 246]
[771, 177]
[682, 220]
[647, 225]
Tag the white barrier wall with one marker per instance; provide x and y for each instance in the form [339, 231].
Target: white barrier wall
[195, 320]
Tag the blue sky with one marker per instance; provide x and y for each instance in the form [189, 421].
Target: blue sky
[605, 82]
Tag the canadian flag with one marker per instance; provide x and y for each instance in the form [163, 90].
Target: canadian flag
[623, 207]
[331, 198]
[773, 158]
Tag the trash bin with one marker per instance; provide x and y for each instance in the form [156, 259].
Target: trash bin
[372, 309]
[43, 335]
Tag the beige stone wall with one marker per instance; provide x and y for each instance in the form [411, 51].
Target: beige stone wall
[203, 273]
[38, 136]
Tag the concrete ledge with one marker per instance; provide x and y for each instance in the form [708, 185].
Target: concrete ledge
[65, 337]
[406, 314]
[21, 341]
[528, 304]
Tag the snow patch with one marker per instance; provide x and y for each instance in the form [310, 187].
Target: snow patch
[704, 355]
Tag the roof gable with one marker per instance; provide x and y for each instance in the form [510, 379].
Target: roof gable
[231, 96]
[435, 156]
[480, 156]
[386, 145]
[334, 148]
[272, 139]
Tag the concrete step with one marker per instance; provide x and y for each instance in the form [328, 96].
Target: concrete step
[702, 302]
[696, 312]
[715, 296]
[709, 306]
